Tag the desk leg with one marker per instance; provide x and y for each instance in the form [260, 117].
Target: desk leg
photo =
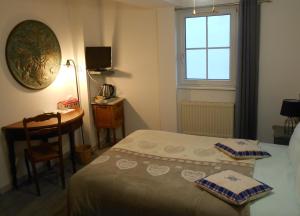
[114, 136]
[72, 150]
[108, 136]
[98, 138]
[12, 160]
[123, 129]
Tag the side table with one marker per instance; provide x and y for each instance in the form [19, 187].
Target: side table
[280, 137]
[109, 115]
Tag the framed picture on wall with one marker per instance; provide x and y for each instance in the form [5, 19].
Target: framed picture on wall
[33, 54]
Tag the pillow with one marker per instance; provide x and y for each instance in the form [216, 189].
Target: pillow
[233, 187]
[242, 149]
[294, 147]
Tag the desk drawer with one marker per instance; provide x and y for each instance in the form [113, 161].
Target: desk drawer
[118, 115]
[108, 116]
[103, 116]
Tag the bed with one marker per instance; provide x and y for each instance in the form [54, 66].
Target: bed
[279, 173]
[153, 172]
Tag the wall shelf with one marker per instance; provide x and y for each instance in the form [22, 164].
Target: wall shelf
[101, 72]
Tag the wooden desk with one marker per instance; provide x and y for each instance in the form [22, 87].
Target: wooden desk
[15, 132]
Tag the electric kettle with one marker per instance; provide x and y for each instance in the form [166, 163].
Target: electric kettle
[107, 91]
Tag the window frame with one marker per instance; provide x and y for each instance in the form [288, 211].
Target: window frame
[182, 81]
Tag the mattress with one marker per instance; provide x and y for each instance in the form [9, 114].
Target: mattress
[277, 172]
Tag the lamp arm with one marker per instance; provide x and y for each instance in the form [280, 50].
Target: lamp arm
[77, 89]
[76, 78]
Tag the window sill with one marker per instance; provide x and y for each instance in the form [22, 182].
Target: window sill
[217, 88]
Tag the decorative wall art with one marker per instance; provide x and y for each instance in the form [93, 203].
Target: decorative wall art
[33, 54]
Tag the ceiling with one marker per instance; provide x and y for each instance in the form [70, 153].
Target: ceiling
[190, 3]
[147, 3]
[175, 3]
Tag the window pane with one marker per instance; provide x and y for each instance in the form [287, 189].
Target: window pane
[195, 64]
[195, 32]
[218, 64]
[219, 31]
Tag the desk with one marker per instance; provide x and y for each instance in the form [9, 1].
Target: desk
[15, 132]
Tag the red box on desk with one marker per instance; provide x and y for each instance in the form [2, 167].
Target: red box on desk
[72, 103]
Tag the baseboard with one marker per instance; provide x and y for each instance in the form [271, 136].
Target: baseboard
[21, 179]
[94, 149]
[5, 188]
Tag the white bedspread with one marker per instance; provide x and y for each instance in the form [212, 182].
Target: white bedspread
[276, 171]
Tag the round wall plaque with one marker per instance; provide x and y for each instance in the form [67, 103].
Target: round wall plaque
[33, 54]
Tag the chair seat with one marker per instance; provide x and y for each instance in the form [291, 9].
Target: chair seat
[44, 152]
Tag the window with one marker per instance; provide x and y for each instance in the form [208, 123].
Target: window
[207, 48]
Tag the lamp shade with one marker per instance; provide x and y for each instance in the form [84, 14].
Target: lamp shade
[290, 108]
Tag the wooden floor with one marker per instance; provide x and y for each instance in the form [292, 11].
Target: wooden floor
[24, 201]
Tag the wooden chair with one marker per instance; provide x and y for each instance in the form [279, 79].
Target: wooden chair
[44, 151]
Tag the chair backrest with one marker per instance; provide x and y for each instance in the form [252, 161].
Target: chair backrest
[42, 127]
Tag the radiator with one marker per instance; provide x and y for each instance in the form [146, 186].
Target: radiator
[206, 118]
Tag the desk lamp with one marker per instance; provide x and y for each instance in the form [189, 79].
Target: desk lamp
[291, 109]
[68, 64]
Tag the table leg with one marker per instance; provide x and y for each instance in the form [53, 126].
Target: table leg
[108, 136]
[114, 135]
[98, 138]
[12, 160]
[72, 150]
[123, 129]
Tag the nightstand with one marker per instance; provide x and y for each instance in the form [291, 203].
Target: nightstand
[280, 137]
[109, 115]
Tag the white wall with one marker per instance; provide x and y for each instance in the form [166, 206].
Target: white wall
[132, 33]
[167, 68]
[279, 62]
[17, 101]
[202, 93]
[68, 19]
[143, 36]
[143, 54]
[85, 19]
[206, 95]
[279, 73]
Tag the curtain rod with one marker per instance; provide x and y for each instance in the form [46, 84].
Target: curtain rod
[225, 4]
